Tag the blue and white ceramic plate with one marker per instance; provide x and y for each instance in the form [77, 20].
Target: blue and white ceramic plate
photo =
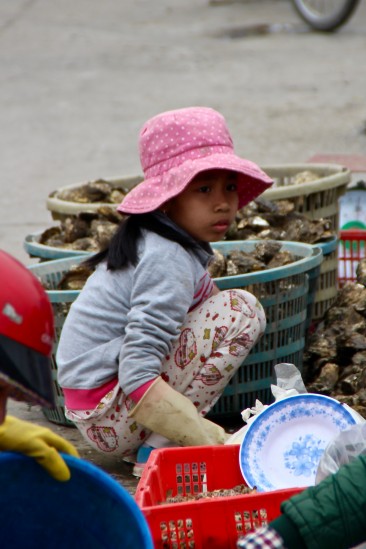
[283, 445]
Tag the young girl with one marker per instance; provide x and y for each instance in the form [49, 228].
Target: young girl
[150, 344]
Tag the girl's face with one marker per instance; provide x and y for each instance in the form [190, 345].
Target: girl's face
[207, 207]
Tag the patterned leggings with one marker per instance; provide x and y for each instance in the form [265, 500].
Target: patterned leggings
[213, 342]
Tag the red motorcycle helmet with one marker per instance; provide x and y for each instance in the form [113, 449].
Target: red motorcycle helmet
[26, 334]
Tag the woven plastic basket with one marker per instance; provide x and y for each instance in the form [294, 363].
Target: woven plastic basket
[60, 209]
[33, 247]
[209, 522]
[328, 279]
[352, 248]
[286, 295]
[50, 274]
[316, 199]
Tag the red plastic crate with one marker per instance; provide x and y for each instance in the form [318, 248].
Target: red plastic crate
[352, 248]
[216, 522]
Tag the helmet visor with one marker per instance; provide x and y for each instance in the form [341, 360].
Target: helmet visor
[27, 372]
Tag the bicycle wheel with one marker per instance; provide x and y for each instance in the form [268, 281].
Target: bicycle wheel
[325, 15]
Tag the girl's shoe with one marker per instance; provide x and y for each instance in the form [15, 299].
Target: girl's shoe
[143, 454]
[130, 458]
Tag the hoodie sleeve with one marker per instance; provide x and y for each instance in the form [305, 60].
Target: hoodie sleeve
[162, 293]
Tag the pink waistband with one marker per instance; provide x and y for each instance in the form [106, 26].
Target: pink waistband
[87, 399]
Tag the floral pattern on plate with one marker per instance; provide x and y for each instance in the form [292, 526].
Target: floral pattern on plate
[283, 445]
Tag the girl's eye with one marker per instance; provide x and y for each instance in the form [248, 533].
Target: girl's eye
[204, 189]
[232, 187]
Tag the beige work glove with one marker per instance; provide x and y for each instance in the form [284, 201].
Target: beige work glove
[39, 443]
[172, 415]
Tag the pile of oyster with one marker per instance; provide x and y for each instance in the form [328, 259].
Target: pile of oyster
[74, 279]
[260, 219]
[335, 356]
[265, 255]
[94, 191]
[238, 490]
[264, 219]
[87, 231]
[306, 176]
[102, 190]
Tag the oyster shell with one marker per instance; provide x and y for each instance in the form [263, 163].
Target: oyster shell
[305, 176]
[74, 228]
[265, 251]
[327, 379]
[51, 234]
[265, 255]
[217, 266]
[281, 259]
[359, 358]
[87, 231]
[75, 278]
[102, 230]
[93, 191]
[110, 214]
[278, 220]
[117, 195]
[361, 272]
[87, 244]
[340, 340]
[239, 262]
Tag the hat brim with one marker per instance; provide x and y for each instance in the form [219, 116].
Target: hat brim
[153, 192]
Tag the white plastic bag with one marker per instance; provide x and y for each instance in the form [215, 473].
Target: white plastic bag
[248, 415]
[288, 383]
[342, 449]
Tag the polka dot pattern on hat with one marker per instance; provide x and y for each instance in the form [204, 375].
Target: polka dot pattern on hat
[175, 146]
[168, 140]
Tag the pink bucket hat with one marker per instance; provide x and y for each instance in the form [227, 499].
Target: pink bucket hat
[177, 145]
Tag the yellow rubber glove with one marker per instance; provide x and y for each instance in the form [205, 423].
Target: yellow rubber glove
[165, 411]
[39, 443]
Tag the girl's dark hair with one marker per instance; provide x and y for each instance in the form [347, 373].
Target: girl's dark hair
[123, 246]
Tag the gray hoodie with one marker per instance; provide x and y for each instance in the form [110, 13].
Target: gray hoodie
[124, 322]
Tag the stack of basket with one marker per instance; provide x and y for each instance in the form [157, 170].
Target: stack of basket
[317, 199]
[288, 294]
[284, 293]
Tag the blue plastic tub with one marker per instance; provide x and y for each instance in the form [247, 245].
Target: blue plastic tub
[90, 511]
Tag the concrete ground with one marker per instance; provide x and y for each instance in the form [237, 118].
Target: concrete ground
[78, 79]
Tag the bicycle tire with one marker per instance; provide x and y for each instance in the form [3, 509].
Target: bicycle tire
[327, 21]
